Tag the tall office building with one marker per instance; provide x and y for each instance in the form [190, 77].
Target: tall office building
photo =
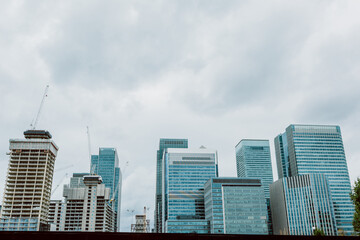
[87, 208]
[236, 206]
[282, 156]
[253, 160]
[106, 164]
[164, 144]
[319, 149]
[28, 183]
[302, 203]
[185, 172]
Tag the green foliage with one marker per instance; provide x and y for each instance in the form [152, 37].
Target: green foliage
[319, 232]
[355, 197]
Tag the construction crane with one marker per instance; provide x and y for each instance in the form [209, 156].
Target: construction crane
[89, 145]
[62, 179]
[63, 168]
[33, 125]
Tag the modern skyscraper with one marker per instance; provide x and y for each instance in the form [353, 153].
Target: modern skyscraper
[28, 183]
[87, 208]
[185, 172]
[106, 164]
[253, 160]
[236, 206]
[320, 149]
[164, 144]
[282, 156]
[302, 203]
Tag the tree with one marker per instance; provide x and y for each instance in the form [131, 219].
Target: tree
[319, 232]
[355, 197]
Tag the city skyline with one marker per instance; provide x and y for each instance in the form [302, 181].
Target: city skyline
[213, 73]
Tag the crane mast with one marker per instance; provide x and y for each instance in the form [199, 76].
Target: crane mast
[33, 125]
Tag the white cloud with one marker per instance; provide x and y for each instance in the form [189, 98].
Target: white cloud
[213, 72]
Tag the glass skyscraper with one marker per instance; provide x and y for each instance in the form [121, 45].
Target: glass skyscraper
[164, 144]
[185, 172]
[282, 156]
[253, 160]
[319, 149]
[236, 206]
[302, 203]
[106, 164]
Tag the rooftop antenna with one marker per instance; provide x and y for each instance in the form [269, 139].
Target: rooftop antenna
[33, 125]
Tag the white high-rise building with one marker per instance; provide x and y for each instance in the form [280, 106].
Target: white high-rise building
[28, 184]
[87, 206]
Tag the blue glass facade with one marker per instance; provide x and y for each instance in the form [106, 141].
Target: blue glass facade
[236, 206]
[253, 160]
[106, 164]
[282, 156]
[164, 144]
[319, 149]
[302, 203]
[185, 173]
[19, 224]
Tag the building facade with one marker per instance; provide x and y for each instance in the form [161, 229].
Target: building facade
[320, 149]
[142, 225]
[164, 144]
[55, 215]
[302, 203]
[282, 156]
[87, 208]
[106, 164]
[28, 184]
[236, 206]
[185, 172]
[253, 160]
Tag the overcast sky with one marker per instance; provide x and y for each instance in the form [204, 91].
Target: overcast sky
[214, 72]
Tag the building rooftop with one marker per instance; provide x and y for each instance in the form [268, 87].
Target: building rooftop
[43, 134]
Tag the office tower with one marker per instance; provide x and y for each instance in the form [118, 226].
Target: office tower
[319, 149]
[55, 215]
[300, 204]
[236, 206]
[28, 183]
[253, 160]
[185, 172]
[106, 164]
[282, 156]
[164, 144]
[88, 208]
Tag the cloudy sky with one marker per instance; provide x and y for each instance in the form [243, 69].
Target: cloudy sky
[210, 71]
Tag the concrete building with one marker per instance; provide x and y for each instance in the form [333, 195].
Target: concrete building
[253, 160]
[185, 172]
[163, 145]
[306, 149]
[301, 203]
[106, 165]
[55, 214]
[77, 180]
[28, 183]
[142, 225]
[87, 208]
[236, 206]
